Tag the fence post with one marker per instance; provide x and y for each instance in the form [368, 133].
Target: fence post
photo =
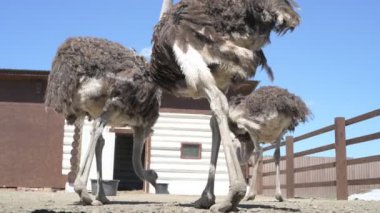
[289, 167]
[340, 159]
[259, 180]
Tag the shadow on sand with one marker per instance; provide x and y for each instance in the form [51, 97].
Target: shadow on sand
[269, 207]
[252, 206]
[111, 203]
[78, 203]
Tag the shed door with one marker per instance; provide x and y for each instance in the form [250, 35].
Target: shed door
[123, 169]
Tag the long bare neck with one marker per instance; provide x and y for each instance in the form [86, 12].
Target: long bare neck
[166, 5]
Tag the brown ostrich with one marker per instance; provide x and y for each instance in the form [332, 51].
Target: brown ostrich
[263, 116]
[110, 84]
[202, 47]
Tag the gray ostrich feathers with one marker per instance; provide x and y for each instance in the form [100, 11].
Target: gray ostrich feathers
[269, 99]
[212, 24]
[112, 71]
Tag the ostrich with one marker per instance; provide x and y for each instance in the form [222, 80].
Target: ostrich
[108, 83]
[263, 116]
[202, 47]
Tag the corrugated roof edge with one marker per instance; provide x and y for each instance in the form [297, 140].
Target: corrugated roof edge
[11, 71]
[23, 74]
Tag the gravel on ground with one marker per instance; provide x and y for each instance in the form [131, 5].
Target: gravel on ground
[138, 202]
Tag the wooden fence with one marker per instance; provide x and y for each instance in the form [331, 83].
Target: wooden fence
[341, 182]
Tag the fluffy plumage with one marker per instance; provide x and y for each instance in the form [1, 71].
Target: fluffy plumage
[210, 24]
[270, 98]
[266, 101]
[121, 72]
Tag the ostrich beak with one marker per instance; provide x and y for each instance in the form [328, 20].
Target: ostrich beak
[286, 22]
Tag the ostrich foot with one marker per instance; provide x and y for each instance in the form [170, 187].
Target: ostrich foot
[85, 197]
[236, 194]
[250, 196]
[205, 201]
[100, 200]
[224, 207]
[279, 197]
[96, 203]
[80, 189]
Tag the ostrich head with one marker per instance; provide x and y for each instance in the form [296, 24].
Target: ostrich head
[151, 176]
[279, 15]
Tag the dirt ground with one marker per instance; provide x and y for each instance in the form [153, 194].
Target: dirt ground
[132, 202]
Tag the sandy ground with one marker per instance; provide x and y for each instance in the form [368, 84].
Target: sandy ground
[29, 201]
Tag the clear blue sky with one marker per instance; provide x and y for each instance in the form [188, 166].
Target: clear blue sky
[332, 60]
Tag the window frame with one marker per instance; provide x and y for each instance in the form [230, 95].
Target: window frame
[192, 157]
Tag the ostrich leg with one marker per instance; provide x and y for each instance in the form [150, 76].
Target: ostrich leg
[138, 146]
[100, 197]
[277, 155]
[81, 180]
[219, 107]
[207, 198]
[255, 159]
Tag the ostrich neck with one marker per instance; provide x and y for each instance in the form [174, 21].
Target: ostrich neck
[166, 5]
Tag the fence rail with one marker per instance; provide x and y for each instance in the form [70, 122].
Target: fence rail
[341, 162]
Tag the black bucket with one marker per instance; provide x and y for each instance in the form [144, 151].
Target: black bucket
[162, 188]
[109, 186]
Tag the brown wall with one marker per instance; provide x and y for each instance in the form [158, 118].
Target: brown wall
[30, 91]
[172, 102]
[31, 138]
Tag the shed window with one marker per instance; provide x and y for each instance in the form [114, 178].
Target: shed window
[191, 151]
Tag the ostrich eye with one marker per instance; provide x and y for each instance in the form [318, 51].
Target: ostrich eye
[258, 9]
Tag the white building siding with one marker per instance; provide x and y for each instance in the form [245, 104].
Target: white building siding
[68, 138]
[184, 176]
